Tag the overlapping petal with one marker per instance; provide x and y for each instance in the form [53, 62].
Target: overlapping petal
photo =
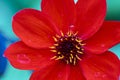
[76, 73]
[34, 28]
[105, 38]
[24, 57]
[58, 71]
[104, 66]
[62, 12]
[90, 16]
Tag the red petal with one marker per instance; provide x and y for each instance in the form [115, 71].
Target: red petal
[61, 11]
[53, 72]
[105, 38]
[90, 16]
[76, 73]
[104, 66]
[33, 28]
[24, 57]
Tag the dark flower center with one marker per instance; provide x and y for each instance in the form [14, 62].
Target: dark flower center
[68, 48]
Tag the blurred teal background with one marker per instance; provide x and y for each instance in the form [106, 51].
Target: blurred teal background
[9, 7]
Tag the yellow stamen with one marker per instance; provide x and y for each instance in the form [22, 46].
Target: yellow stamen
[60, 57]
[70, 59]
[66, 39]
[67, 61]
[76, 33]
[82, 44]
[71, 51]
[61, 33]
[69, 33]
[53, 50]
[82, 49]
[53, 57]
[55, 39]
[56, 44]
[59, 52]
[61, 39]
[80, 52]
[78, 57]
[77, 47]
[57, 36]
[74, 61]
[52, 47]
[72, 39]
[71, 56]
[78, 40]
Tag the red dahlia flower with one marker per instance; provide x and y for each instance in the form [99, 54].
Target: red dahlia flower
[66, 41]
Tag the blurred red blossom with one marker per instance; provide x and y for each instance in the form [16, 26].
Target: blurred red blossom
[66, 41]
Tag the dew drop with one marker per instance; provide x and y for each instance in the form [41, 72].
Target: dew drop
[104, 75]
[103, 45]
[97, 74]
[71, 26]
[22, 58]
[29, 41]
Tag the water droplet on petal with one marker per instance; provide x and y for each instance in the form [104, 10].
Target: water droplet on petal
[71, 26]
[22, 58]
[104, 75]
[97, 74]
[29, 41]
[103, 45]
